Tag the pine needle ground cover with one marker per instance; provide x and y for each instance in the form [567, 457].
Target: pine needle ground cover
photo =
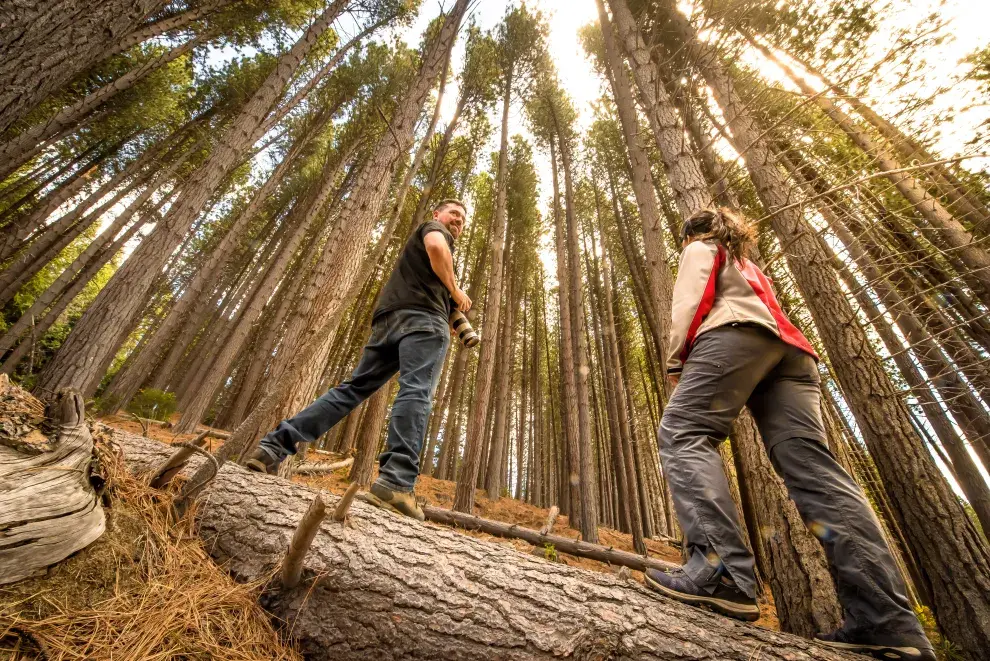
[147, 589]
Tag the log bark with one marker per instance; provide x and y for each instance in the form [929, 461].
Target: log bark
[48, 506]
[393, 588]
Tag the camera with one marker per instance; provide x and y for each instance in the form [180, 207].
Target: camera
[465, 333]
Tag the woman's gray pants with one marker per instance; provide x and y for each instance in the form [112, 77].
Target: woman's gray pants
[733, 366]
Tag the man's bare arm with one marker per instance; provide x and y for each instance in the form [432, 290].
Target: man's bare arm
[442, 263]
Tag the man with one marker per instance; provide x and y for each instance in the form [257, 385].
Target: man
[409, 334]
[731, 345]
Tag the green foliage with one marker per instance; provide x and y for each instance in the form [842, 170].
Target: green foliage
[521, 45]
[153, 404]
[550, 553]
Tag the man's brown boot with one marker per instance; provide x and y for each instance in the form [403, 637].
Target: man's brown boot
[398, 501]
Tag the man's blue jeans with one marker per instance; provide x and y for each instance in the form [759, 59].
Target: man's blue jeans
[412, 342]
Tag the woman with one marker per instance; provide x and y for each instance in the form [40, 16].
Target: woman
[730, 346]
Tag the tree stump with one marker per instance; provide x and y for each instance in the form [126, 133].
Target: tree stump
[389, 588]
[48, 506]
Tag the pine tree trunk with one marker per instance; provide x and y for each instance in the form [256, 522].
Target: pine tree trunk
[26, 145]
[86, 353]
[193, 302]
[683, 172]
[47, 43]
[793, 560]
[569, 398]
[948, 230]
[660, 279]
[369, 439]
[970, 208]
[493, 483]
[464, 498]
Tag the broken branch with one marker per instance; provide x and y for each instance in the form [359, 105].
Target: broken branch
[164, 474]
[340, 513]
[292, 566]
[551, 519]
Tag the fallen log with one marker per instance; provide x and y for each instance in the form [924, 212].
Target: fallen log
[49, 508]
[388, 588]
[560, 544]
[320, 469]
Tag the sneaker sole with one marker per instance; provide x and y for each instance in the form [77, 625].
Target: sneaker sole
[372, 499]
[883, 651]
[256, 466]
[729, 608]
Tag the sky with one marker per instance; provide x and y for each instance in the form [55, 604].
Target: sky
[968, 20]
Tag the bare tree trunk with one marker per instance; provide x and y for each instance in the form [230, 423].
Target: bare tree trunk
[464, 498]
[660, 279]
[792, 559]
[26, 145]
[586, 468]
[575, 613]
[569, 399]
[85, 354]
[46, 44]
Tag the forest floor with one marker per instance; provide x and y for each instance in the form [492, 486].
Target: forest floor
[145, 589]
[440, 493]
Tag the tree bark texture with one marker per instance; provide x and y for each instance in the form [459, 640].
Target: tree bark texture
[660, 278]
[46, 44]
[464, 497]
[392, 588]
[86, 353]
[683, 171]
[795, 563]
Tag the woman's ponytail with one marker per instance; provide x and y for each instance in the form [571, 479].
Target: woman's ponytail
[727, 226]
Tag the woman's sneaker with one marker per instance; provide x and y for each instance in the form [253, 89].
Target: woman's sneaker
[892, 647]
[727, 599]
[400, 502]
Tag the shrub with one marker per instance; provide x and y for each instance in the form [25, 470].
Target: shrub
[153, 404]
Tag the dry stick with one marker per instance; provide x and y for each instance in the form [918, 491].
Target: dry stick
[340, 513]
[292, 566]
[190, 493]
[561, 544]
[551, 519]
[144, 425]
[319, 469]
[168, 470]
[222, 435]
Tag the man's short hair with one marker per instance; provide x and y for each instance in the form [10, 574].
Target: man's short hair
[443, 204]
